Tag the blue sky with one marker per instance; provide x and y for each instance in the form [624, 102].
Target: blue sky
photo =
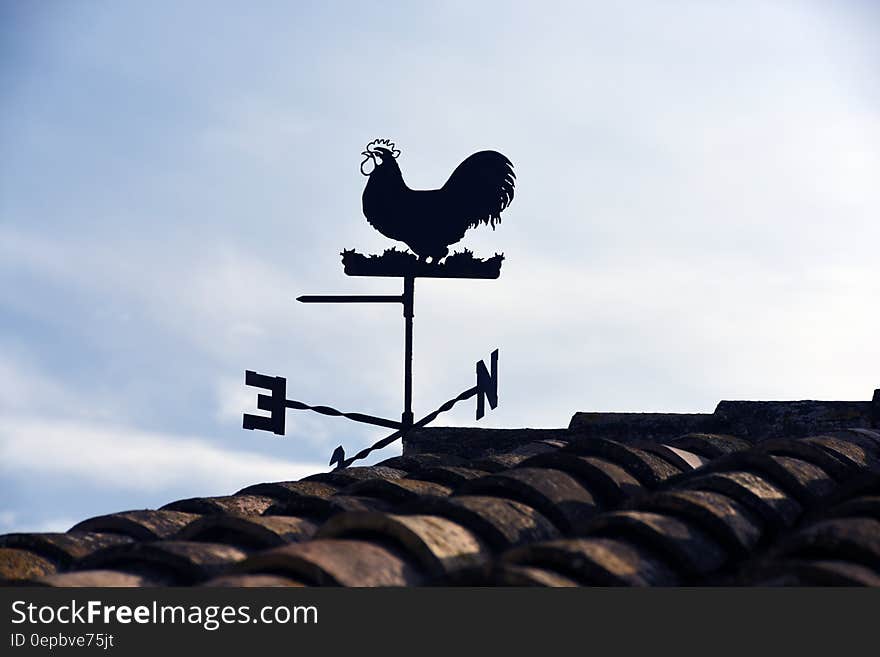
[695, 220]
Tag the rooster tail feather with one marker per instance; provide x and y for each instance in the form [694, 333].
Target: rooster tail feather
[481, 188]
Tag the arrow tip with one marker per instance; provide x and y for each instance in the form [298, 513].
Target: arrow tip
[338, 455]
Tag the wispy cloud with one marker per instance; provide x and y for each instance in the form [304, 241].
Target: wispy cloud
[16, 522]
[121, 458]
[695, 218]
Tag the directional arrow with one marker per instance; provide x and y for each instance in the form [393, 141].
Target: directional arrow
[338, 456]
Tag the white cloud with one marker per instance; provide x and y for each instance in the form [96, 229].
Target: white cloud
[7, 519]
[261, 129]
[22, 386]
[121, 458]
[49, 524]
[694, 220]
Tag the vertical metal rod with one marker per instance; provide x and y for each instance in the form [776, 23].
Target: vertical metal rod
[408, 294]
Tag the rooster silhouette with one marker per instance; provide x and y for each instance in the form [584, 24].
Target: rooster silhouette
[428, 221]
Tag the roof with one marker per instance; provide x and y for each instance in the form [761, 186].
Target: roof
[564, 507]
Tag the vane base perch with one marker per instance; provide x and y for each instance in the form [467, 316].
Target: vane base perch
[395, 263]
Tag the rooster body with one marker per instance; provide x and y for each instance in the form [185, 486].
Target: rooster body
[428, 221]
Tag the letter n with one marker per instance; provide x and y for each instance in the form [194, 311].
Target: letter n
[487, 384]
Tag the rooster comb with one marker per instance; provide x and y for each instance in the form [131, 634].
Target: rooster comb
[382, 143]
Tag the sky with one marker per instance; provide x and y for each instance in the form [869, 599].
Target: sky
[695, 219]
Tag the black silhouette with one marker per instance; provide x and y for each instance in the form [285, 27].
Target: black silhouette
[338, 456]
[486, 389]
[428, 221]
[403, 263]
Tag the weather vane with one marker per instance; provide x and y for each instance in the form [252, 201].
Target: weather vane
[428, 222]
